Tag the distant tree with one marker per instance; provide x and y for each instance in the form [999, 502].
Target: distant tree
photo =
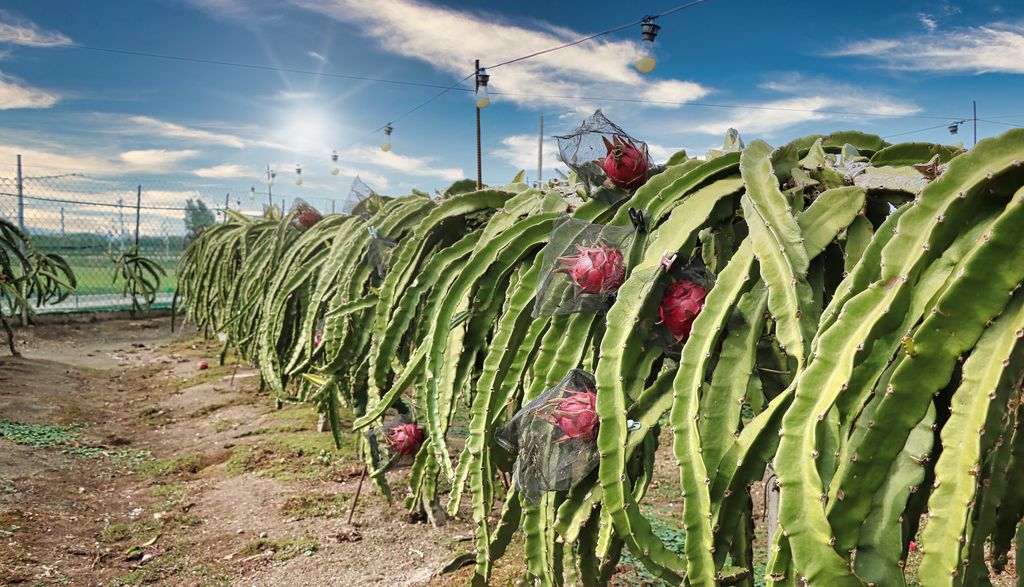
[197, 217]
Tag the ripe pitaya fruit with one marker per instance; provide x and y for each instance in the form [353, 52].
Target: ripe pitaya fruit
[595, 270]
[203, 365]
[575, 414]
[307, 216]
[405, 438]
[624, 165]
[681, 303]
[4, 277]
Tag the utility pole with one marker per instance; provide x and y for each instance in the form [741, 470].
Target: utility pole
[227, 204]
[138, 214]
[974, 104]
[540, 153]
[120, 215]
[479, 159]
[270, 184]
[62, 235]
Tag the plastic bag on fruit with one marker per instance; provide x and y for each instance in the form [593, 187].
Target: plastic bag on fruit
[554, 436]
[583, 266]
[362, 200]
[305, 216]
[378, 253]
[602, 154]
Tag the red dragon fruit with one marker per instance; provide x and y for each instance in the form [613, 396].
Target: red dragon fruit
[681, 303]
[624, 165]
[595, 270]
[307, 216]
[4, 277]
[405, 438]
[575, 414]
[318, 337]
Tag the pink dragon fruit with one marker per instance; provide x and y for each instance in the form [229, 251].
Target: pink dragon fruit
[624, 165]
[575, 414]
[318, 338]
[405, 438]
[681, 303]
[595, 270]
[307, 216]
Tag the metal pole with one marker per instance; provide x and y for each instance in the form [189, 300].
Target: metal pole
[227, 204]
[62, 235]
[332, 207]
[479, 159]
[21, 198]
[21, 226]
[974, 104]
[540, 153]
[120, 216]
[138, 213]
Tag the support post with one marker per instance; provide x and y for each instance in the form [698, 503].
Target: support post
[227, 204]
[21, 227]
[479, 158]
[974, 105]
[138, 214]
[540, 153]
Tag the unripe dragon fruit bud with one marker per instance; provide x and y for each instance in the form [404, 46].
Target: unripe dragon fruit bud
[575, 414]
[307, 216]
[595, 270]
[405, 438]
[681, 303]
[912, 546]
[624, 165]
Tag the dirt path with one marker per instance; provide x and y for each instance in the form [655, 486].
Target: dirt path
[123, 463]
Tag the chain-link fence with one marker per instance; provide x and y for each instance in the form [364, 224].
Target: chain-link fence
[89, 221]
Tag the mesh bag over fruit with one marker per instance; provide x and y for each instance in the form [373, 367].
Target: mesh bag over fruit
[687, 286]
[378, 253]
[554, 436]
[362, 200]
[305, 215]
[603, 154]
[398, 438]
[584, 265]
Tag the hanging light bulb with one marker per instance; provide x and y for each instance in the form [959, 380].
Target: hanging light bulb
[334, 159]
[298, 175]
[954, 128]
[252, 193]
[483, 98]
[648, 31]
[271, 174]
[387, 138]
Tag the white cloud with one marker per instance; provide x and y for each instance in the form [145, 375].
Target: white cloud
[998, 47]
[16, 94]
[421, 31]
[154, 160]
[928, 21]
[153, 126]
[413, 166]
[226, 171]
[316, 56]
[809, 99]
[520, 151]
[19, 31]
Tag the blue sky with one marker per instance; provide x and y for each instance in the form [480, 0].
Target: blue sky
[896, 66]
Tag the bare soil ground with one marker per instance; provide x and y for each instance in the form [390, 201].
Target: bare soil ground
[123, 463]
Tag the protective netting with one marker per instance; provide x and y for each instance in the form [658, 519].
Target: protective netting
[362, 200]
[600, 152]
[305, 214]
[378, 253]
[554, 436]
[688, 284]
[584, 265]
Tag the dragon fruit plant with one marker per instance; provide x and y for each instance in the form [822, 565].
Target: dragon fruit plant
[624, 164]
[595, 270]
[575, 414]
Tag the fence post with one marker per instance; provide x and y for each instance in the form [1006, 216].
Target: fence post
[21, 227]
[138, 214]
